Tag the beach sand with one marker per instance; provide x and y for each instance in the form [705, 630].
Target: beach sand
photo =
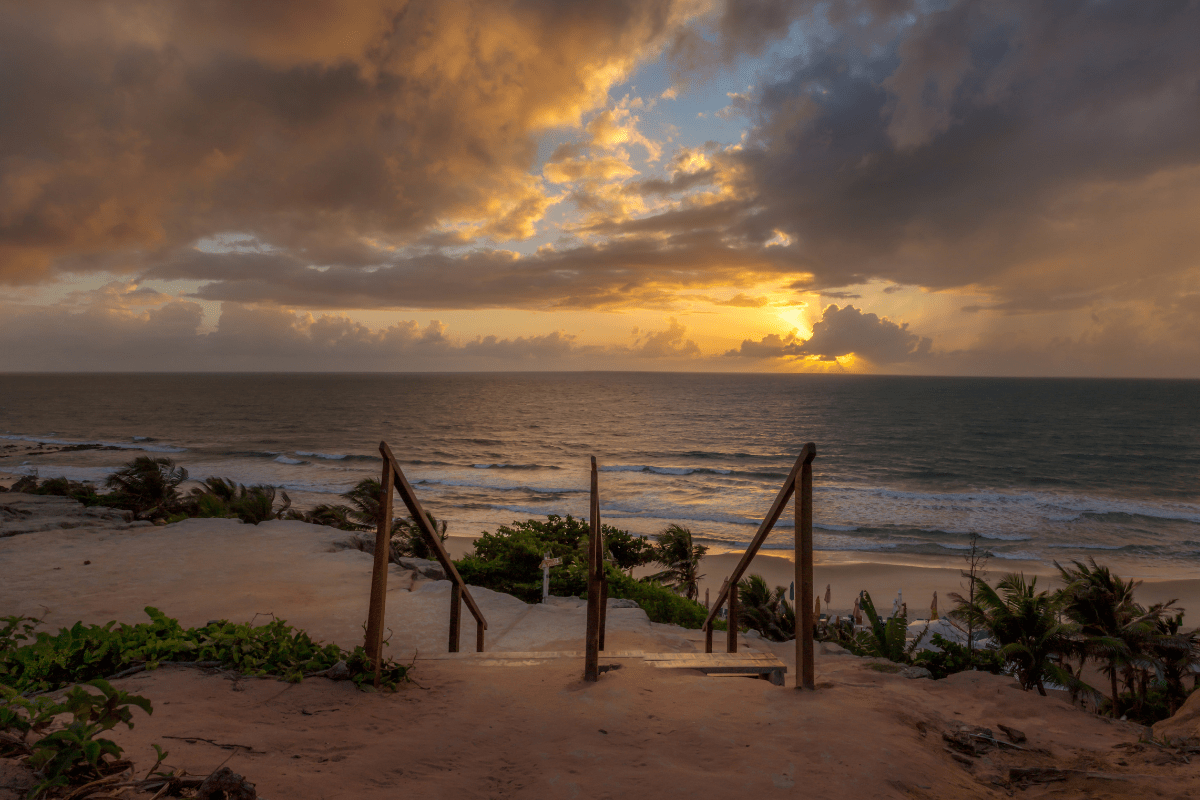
[535, 730]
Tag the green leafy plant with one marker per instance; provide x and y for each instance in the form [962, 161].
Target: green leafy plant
[77, 750]
[81, 653]
[952, 657]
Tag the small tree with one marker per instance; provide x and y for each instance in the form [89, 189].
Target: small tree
[977, 559]
[681, 557]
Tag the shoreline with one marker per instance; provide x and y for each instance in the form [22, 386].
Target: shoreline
[883, 574]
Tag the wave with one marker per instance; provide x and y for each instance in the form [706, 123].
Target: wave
[327, 456]
[493, 487]
[665, 470]
[514, 466]
[286, 460]
[149, 448]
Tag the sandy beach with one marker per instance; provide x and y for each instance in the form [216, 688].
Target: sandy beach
[531, 727]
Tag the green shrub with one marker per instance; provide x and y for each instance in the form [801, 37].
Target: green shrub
[81, 653]
[955, 657]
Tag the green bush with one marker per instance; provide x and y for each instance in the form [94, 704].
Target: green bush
[83, 652]
[507, 561]
[956, 657]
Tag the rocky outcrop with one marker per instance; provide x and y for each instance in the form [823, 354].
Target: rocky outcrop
[22, 513]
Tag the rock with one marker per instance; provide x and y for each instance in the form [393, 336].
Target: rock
[1185, 724]
[424, 567]
[752, 634]
[831, 649]
[338, 672]
[916, 672]
[621, 602]
[225, 784]
[1015, 736]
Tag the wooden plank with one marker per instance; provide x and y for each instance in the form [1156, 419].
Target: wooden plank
[375, 612]
[455, 614]
[804, 580]
[807, 454]
[422, 520]
[591, 643]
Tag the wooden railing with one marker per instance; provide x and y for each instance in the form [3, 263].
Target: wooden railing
[597, 588]
[799, 483]
[393, 480]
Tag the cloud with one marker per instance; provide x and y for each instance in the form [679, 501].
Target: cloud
[172, 337]
[840, 332]
[132, 130]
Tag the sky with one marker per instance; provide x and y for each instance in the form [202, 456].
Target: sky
[954, 187]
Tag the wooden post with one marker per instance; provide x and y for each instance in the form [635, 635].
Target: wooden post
[455, 616]
[479, 632]
[805, 670]
[708, 629]
[732, 634]
[591, 663]
[383, 543]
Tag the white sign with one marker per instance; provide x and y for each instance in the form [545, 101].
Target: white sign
[547, 563]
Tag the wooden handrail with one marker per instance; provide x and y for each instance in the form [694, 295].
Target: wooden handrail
[393, 476]
[807, 454]
[422, 519]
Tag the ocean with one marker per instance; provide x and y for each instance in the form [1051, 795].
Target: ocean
[907, 468]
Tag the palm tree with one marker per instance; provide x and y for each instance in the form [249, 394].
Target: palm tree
[367, 499]
[1115, 628]
[408, 540]
[766, 611]
[148, 484]
[1025, 623]
[681, 557]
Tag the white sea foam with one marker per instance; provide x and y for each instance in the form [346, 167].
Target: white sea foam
[327, 456]
[286, 460]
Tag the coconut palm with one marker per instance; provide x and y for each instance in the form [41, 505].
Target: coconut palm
[764, 610]
[1115, 629]
[1025, 623]
[367, 499]
[408, 540]
[676, 551]
[148, 484]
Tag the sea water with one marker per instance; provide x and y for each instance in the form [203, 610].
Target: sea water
[906, 468]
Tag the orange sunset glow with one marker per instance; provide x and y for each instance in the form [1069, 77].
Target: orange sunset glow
[868, 186]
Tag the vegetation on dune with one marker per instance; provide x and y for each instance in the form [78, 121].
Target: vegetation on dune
[38, 661]
[680, 557]
[507, 561]
[33, 663]
[764, 610]
[1046, 638]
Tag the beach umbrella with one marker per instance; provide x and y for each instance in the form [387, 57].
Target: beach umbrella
[933, 615]
[897, 602]
[817, 607]
[828, 594]
[792, 591]
[857, 612]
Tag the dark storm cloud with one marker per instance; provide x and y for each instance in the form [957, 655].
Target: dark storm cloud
[130, 129]
[987, 141]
